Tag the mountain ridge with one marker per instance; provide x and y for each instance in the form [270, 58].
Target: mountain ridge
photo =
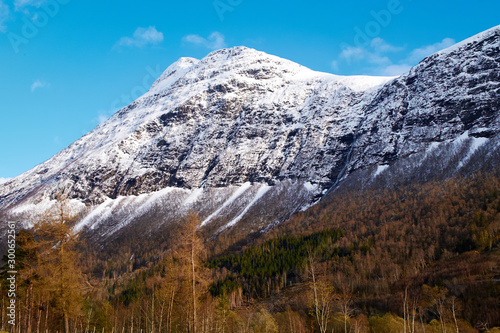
[225, 134]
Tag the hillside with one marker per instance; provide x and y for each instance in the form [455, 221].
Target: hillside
[229, 134]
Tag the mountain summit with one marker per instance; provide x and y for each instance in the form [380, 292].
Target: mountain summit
[246, 138]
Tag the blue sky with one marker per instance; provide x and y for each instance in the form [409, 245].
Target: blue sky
[67, 65]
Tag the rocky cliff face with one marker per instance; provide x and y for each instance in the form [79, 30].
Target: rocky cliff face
[448, 93]
[244, 136]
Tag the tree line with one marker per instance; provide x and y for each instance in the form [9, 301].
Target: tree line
[421, 258]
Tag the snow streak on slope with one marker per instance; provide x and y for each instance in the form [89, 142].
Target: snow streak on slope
[474, 145]
[260, 193]
[380, 169]
[242, 189]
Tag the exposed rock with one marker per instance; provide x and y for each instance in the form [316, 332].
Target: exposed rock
[239, 116]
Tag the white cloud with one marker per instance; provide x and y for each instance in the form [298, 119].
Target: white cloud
[351, 54]
[103, 115]
[425, 51]
[142, 37]
[376, 60]
[381, 46]
[4, 15]
[213, 42]
[416, 56]
[38, 84]
[102, 118]
[20, 4]
[28, 7]
[394, 70]
[335, 65]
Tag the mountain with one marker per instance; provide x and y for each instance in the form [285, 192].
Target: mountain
[246, 139]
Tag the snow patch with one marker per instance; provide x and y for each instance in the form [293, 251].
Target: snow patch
[310, 187]
[474, 145]
[432, 146]
[360, 83]
[151, 200]
[131, 206]
[173, 73]
[242, 189]
[260, 193]
[4, 180]
[380, 169]
[102, 211]
[193, 197]
[34, 211]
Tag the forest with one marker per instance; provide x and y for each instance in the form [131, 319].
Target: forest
[423, 257]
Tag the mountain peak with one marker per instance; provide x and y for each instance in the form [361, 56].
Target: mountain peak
[239, 61]
[242, 55]
[233, 51]
[173, 73]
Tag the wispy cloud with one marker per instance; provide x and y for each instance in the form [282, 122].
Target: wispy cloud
[102, 119]
[335, 65]
[38, 84]
[352, 53]
[141, 38]
[4, 15]
[371, 56]
[395, 70]
[21, 4]
[103, 116]
[377, 56]
[425, 51]
[375, 53]
[381, 46]
[213, 42]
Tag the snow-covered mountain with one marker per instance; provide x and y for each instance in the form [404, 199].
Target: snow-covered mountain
[246, 138]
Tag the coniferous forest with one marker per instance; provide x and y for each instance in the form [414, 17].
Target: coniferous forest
[418, 258]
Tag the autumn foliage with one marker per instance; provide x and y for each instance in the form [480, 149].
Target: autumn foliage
[418, 258]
